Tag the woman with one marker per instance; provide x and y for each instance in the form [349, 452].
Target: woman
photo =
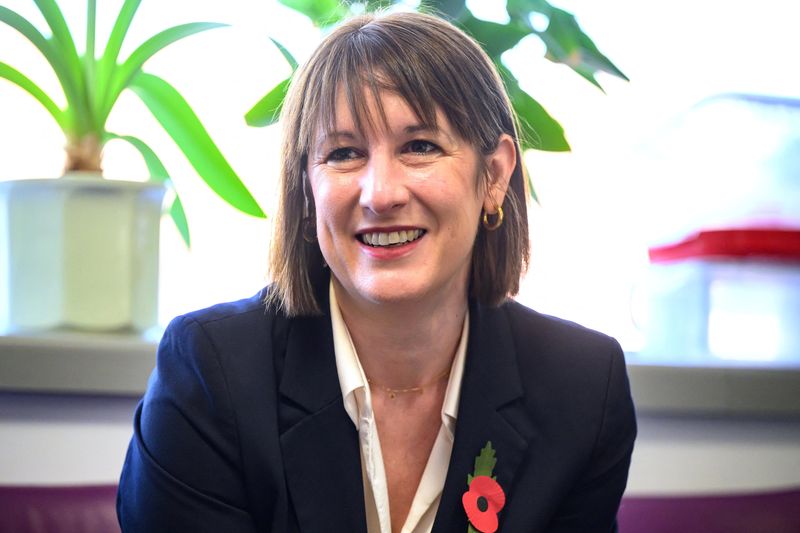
[388, 384]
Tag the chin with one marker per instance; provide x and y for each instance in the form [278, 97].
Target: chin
[393, 293]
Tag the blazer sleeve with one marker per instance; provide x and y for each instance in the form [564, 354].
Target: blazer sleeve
[182, 471]
[592, 504]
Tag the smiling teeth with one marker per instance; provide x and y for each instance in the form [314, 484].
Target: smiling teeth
[392, 238]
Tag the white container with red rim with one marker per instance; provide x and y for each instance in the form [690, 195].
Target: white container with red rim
[725, 295]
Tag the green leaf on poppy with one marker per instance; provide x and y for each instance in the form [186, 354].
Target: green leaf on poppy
[484, 463]
[182, 124]
[267, 111]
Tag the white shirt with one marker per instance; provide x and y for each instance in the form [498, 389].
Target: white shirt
[358, 404]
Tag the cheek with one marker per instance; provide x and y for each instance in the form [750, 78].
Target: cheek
[332, 214]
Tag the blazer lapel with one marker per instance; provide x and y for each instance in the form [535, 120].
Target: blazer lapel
[486, 413]
[319, 442]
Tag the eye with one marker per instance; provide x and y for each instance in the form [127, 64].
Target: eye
[342, 155]
[421, 147]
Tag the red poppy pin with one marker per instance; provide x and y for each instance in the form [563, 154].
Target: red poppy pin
[485, 497]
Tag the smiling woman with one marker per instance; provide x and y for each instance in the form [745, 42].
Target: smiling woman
[451, 92]
[401, 177]
[386, 361]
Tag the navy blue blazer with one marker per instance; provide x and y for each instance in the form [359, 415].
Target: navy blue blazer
[243, 427]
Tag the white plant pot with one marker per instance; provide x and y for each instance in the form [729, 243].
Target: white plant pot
[79, 252]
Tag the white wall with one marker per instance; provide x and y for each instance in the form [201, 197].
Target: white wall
[72, 439]
[695, 454]
[63, 439]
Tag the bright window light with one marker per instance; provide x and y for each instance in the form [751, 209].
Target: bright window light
[589, 232]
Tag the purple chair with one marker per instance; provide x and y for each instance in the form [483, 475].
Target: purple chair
[767, 512]
[61, 509]
[91, 509]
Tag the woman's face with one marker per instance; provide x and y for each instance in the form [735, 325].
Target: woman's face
[398, 208]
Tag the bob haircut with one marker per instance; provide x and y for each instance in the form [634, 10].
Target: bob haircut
[432, 65]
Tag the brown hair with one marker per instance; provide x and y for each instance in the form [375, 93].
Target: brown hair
[432, 65]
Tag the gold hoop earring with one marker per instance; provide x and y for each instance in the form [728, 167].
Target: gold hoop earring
[309, 229]
[497, 223]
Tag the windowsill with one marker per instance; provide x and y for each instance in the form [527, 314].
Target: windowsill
[120, 364]
[77, 363]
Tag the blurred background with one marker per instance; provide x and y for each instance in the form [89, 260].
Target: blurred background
[704, 136]
[600, 205]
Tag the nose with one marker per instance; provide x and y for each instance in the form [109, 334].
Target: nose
[383, 185]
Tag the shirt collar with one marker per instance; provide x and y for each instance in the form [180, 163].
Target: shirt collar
[353, 380]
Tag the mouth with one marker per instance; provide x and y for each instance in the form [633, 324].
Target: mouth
[388, 239]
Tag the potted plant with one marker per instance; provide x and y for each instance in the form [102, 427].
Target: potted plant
[82, 251]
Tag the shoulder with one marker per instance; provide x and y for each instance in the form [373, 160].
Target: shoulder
[246, 310]
[571, 375]
[197, 411]
[221, 348]
[579, 418]
[234, 324]
[552, 340]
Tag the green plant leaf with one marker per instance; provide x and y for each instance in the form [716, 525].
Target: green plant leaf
[452, 9]
[267, 111]
[13, 75]
[61, 34]
[108, 61]
[178, 216]
[321, 12]
[523, 8]
[181, 123]
[538, 129]
[53, 56]
[123, 75]
[89, 59]
[158, 173]
[531, 188]
[567, 43]
[495, 38]
[66, 47]
[286, 54]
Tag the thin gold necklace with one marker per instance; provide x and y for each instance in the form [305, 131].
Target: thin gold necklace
[394, 392]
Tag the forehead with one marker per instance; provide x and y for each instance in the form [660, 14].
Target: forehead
[367, 113]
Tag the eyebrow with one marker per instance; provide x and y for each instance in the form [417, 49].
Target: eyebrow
[415, 128]
[335, 135]
[349, 135]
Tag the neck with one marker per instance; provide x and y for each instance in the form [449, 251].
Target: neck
[405, 344]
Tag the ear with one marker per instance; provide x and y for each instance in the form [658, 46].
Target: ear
[500, 165]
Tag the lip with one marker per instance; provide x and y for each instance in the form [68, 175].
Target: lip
[389, 252]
